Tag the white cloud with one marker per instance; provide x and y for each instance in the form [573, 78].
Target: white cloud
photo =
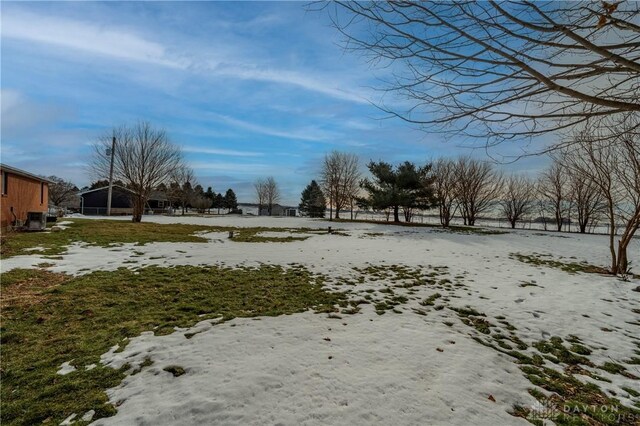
[22, 116]
[124, 44]
[219, 151]
[236, 168]
[91, 38]
[252, 72]
[306, 134]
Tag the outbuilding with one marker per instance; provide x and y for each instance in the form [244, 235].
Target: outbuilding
[22, 193]
[94, 201]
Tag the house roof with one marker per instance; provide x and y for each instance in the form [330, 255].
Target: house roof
[81, 193]
[15, 171]
[158, 196]
[265, 206]
[155, 195]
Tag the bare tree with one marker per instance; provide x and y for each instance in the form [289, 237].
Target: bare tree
[517, 198]
[200, 203]
[501, 70]
[143, 159]
[553, 190]
[260, 187]
[61, 192]
[610, 157]
[181, 187]
[340, 177]
[445, 189]
[586, 200]
[478, 187]
[271, 193]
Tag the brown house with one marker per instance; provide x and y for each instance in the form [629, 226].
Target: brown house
[22, 192]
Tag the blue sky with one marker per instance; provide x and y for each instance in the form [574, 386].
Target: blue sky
[247, 89]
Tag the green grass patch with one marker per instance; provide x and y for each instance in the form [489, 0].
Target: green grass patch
[431, 300]
[49, 318]
[176, 370]
[570, 267]
[557, 352]
[613, 368]
[99, 233]
[575, 402]
[104, 233]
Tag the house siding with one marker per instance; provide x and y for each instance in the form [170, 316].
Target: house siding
[24, 194]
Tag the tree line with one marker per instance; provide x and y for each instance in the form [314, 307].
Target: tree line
[184, 192]
[592, 179]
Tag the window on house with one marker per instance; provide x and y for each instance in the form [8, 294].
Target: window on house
[41, 192]
[160, 204]
[5, 183]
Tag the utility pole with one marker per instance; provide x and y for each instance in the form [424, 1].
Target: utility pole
[112, 153]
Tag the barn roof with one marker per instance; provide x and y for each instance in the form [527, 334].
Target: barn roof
[155, 195]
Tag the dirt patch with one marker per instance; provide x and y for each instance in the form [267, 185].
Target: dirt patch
[30, 289]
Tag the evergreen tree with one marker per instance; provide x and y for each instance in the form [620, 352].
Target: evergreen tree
[211, 196]
[105, 182]
[407, 187]
[230, 200]
[312, 201]
[186, 194]
[218, 203]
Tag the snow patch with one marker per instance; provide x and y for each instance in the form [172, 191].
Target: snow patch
[283, 370]
[88, 416]
[68, 420]
[66, 368]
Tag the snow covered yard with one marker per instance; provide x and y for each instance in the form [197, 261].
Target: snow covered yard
[435, 327]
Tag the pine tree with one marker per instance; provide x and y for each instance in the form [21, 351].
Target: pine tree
[230, 200]
[219, 202]
[406, 186]
[312, 201]
[211, 196]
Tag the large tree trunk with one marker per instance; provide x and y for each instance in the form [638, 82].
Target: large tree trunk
[407, 215]
[612, 235]
[330, 206]
[138, 208]
[471, 220]
[623, 263]
[396, 217]
[513, 223]
[446, 220]
[623, 244]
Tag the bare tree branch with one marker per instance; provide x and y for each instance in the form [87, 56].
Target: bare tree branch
[500, 70]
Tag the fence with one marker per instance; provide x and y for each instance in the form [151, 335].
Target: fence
[430, 219]
[102, 211]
